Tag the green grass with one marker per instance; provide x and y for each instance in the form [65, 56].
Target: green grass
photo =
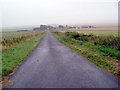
[107, 44]
[13, 34]
[15, 56]
[12, 39]
[99, 32]
[15, 29]
[108, 51]
[96, 54]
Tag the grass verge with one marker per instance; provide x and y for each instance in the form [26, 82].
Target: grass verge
[15, 56]
[92, 53]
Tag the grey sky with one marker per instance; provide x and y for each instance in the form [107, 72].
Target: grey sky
[35, 12]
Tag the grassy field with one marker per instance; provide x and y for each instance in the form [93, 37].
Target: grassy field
[12, 39]
[94, 48]
[99, 32]
[13, 29]
[20, 44]
[7, 35]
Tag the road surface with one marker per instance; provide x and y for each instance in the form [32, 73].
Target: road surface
[53, 65]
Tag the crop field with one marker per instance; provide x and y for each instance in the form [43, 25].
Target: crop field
[99, 32]
[7, 35]
[15, 47]
[11, 39]
[100, 47]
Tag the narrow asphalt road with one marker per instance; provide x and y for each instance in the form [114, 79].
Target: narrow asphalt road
[53, 65]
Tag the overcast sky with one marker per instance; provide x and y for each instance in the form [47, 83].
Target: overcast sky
[36, 12]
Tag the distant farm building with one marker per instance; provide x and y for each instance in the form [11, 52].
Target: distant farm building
[87, 27]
